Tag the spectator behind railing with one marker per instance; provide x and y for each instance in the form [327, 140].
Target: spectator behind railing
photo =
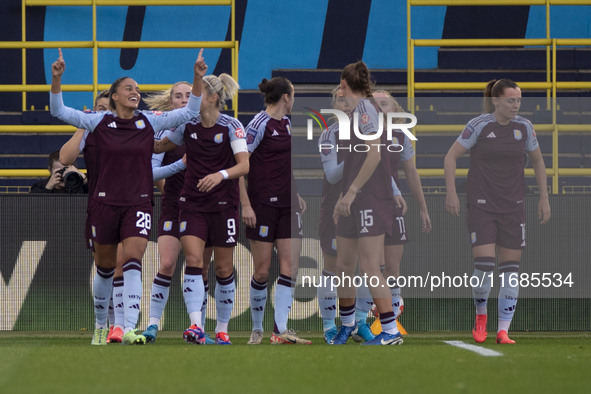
[63, 179]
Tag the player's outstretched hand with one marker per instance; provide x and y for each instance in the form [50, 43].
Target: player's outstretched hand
[59, 66]
[200, 66]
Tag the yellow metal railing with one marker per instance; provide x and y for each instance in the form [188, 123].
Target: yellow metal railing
[95, 44]
[551, 85]
[95, 86]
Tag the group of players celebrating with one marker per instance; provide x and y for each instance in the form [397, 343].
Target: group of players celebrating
[205, 156]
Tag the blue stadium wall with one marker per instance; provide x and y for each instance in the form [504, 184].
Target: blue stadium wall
[302, 34]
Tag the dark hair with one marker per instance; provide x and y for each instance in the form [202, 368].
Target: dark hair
[113, 89]
[53, 157]
[358, 78]
[496, 88]
[275, 88]
[102, 94]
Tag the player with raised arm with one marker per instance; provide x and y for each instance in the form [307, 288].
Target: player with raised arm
[497, 141]
[216, 157]
[271, 210]
[122, 207]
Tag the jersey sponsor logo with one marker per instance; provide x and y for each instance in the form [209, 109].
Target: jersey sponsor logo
[144, 232]
[249, 138]
[194, 136]
[364, 118]
[183, 199]
[231, 240]
[275, 133]
[157, 112]
[140, 124]
[467, 132]
[222, 202]
[102, 194]
[481, 201]
[112, 125]
[263, 231]
[273, 199]
[473, 237]
[167, 226]
[517, 135]
[239, 133]
[491, 135]
[218, 138]
[183, 227]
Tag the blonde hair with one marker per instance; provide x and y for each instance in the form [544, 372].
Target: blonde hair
[162, 101]
[334, 94]
[224, 86]
[397, 107]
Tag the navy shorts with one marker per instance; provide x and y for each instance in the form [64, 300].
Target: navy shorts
[506, 230]
[368, 218]
[399, 235]
[275, 223]
[111, 224]
[219, 229]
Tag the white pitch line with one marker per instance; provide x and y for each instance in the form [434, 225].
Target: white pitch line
[476, 349]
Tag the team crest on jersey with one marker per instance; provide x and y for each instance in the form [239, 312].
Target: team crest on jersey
[140, 124]
[218, 138]
[167, 225]
[467, 132]
[517, 135]
[288, 127]
[93, 232]
[333, 244]
[395, 141]
[264, 231]
[239, 133]
[473, 237]
[183, 227]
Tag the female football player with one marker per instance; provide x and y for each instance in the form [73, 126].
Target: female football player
[497, 141]
[122, 200]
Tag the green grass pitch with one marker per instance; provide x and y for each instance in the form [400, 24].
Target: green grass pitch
[35, 362]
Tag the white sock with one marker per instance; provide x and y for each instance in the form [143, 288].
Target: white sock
[363, 304]
[396, 297]
[483, 267]
[204, 306]
[258, 300]
[158, 298]
[102, 286]
[225, 291]
[119, 308]
[283, 301]
[327, 301]
[508, 294]
[193, 292]
[132, 293]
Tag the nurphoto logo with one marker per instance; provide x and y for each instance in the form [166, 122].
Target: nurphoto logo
[344, 134]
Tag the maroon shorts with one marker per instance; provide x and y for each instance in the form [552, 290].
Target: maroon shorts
[327, 231]
[506, 230]
[275, 223]
[399, 235]
[368, 218]
[168, 224]
[215, 228]
[111, 224]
